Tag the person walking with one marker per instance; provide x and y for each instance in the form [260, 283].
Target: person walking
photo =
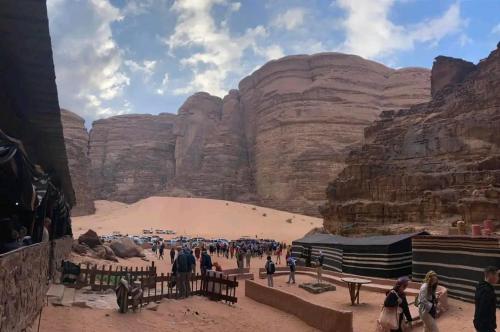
[279, 250]
[293, 266]
[427, 302]
[155, 248]
[231, 250]
[270, 269]
[485, 302]
[162, 249]
[396, 298]
[172, 255]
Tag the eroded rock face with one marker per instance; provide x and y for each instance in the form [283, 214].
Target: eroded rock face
[304, 112]
[431, 162]
[76, 139]
[132, 156]
[448, 71]
[273, 142]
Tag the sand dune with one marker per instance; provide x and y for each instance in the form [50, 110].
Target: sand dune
[196, 217]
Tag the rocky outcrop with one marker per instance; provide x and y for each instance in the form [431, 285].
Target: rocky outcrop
[272, 142]
[303, 112]
[435, 161]
[76, 140]
[132, 156]
[28, 92]
[448, 71]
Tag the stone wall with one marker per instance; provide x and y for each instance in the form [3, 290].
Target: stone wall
[317, 316]
[24, 282]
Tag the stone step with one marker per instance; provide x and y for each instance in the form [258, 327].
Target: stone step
[68, 297]
[55, 292]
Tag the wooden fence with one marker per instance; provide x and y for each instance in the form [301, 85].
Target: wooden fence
[154, 286]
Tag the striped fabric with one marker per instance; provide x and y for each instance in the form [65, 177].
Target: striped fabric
[333, 256]
[458, 261]
[390, 265]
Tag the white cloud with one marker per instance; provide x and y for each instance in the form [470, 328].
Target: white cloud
[235, 6]
[496, 29]
[146, 68]
[370, 33]
[272, 52]
[88, 62]
[291, 19]
[163, 86]
[218, 54]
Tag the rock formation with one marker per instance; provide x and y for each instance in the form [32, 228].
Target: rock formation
[274, 141]
[132, 156]
[435, 161]
[76, 140]
[28, 92]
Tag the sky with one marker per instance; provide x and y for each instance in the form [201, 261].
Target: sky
[147, 56]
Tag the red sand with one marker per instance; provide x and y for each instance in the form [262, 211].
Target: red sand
[246, 315]
[196, 217]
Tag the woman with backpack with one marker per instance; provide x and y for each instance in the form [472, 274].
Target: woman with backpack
[396, 299]
[427, 302]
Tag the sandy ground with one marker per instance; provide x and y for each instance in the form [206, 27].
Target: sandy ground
[196, 217]
[246, 315]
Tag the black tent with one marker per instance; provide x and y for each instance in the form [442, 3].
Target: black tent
[387, 256]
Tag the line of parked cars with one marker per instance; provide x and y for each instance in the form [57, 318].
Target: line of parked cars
[158, 231]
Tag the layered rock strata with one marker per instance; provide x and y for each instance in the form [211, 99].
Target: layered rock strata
[76, 141]
[132, 156]
[274, 141]
[435, 161]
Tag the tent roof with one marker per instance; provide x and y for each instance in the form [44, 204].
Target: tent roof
[356, 241]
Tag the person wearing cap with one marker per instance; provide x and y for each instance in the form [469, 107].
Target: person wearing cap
[427, 302]
[396, 297]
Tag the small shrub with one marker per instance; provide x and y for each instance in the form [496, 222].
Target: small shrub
[289, 220]
[264, 215]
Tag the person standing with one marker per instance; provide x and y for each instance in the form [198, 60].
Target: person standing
[155, 247]
[485, 302]
[319, 268]
[182, 268]
[396, 297]
[427, 302]
[205, 262]
[248, 257]
[172, 255]
[231, 250]
[270, 269]
[293, 266]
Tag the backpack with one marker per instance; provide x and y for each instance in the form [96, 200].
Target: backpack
[271, 268]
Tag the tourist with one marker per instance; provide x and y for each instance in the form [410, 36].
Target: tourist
[217, 248]
[172, 255]
[485, 302]
[192, 262]
[396, 297]
[427, 302]
[293, 266]
[270, 269]
[231, 250]
[205, 262]
[162, 248]
[319, 268]
[182, 269]
[155, 247]
[46, 232]
[278, 254]
[248, 256]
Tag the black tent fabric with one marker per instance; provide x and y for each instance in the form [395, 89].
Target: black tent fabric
[387, 256]
[459, 261]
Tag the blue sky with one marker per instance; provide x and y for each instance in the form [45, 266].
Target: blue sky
[147, 56]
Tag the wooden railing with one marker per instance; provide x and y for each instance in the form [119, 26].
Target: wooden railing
[154, 286]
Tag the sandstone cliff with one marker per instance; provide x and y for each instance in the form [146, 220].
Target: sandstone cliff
[275, 141]
[435, 161]
[132, 156]
[76, 139]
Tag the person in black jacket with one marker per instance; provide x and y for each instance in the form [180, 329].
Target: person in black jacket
[396, 297]
[485, 302]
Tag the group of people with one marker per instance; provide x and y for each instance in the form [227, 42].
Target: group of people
[427, 302]
[291, 262]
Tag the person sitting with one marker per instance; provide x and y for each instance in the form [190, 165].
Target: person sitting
[396, 297]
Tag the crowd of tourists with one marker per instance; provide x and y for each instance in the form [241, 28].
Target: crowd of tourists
[396, 317]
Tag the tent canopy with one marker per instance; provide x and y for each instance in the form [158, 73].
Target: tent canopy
[382, 240]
